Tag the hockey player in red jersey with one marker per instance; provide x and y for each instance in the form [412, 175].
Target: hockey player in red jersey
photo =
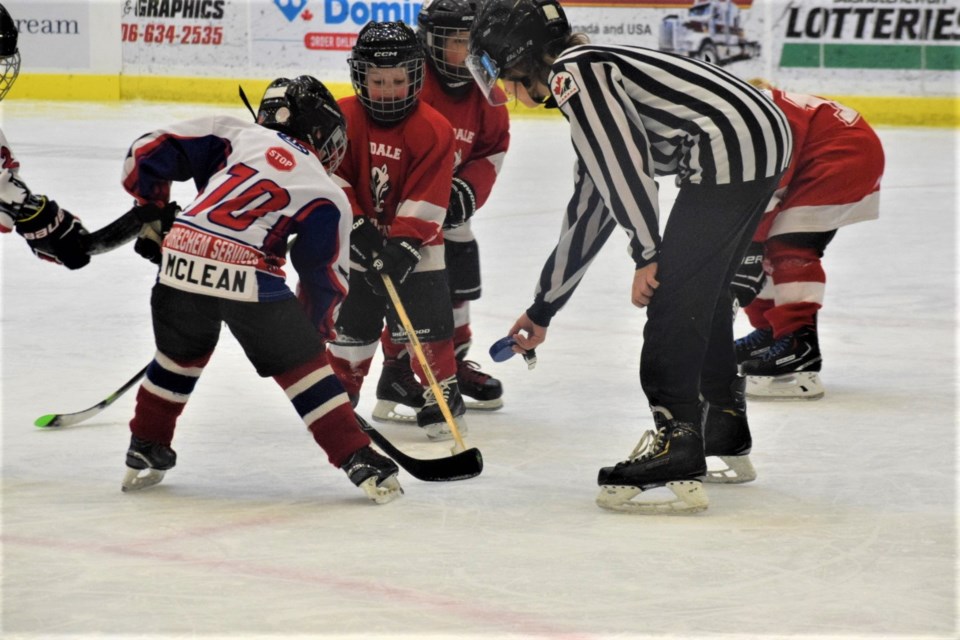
[482, 137]
[833, 180]
[221, 262]
[397, 174]
[53, 233]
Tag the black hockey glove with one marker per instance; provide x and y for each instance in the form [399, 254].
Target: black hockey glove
[365, 241]
[463, 204]
[53, 233]
[156, 223]
[398, 258]
[748, 281]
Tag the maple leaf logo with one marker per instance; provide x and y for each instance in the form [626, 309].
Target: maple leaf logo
[307, 15]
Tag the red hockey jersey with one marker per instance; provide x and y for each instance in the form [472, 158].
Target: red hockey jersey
[482, 133]
[834, 174]
[400, 175]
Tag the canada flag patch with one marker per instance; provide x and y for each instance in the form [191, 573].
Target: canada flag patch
[281, 159]
[563, 87]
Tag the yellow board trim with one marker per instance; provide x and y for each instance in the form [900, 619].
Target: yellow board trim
[878, 110]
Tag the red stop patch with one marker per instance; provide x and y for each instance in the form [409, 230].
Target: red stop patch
[280, 159]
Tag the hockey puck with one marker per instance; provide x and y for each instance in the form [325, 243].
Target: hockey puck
[502, 349]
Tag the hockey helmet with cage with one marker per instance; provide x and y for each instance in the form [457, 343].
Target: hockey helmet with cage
[514, 34]
[303, 108]
[387, 45]
[441, 25]
[9, 52]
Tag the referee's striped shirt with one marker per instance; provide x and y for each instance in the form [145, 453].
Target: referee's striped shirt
[638, 113]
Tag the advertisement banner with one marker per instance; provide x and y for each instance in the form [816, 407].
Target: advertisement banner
[54, 35]
[872, 47]
[184, 37]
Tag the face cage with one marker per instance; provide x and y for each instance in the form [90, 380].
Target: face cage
[334, 150]
[438, 41]
[387, 111]
[10, 66]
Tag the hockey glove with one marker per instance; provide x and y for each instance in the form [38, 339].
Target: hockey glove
[748, 281]
[53, 233]
[463, 204]
[156, 223]
[365, 241]
[398, 258]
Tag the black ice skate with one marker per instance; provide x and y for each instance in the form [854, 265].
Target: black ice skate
[376, 474]
[726, 436]
[753, 345]
[398, 387]
[147, 462]
[480, 390]
[672, 457]
[789, 370]
[430, 417]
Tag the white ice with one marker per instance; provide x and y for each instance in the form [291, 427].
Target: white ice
[849, 530]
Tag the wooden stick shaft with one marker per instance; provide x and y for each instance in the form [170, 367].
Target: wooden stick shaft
[421, 356]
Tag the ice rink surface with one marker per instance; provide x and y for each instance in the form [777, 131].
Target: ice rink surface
[849, 530]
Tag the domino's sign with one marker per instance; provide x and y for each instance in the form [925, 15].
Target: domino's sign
[361, 12]
[290, 8]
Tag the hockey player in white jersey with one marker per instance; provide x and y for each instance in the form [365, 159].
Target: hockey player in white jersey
[54, 234]
[222, 262]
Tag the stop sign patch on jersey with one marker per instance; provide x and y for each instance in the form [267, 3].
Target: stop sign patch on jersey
[563, 87]
[281, 159]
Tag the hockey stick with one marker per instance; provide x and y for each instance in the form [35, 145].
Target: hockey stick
[117, 233]
[70, 419]
[461, 466]
[418, 349]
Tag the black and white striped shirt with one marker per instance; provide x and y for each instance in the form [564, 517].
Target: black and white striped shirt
[635, 114]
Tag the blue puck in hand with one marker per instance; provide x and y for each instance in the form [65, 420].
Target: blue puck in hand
[502, 349]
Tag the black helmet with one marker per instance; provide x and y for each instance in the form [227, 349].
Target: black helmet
[304, 109]
[440, 24]
[387, 45]
[511, 33]
[9, 53]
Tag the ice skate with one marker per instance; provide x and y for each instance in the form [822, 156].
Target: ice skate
[398, 388]
[147, 462]
[374, 473]
[430, 417]
[480, 390]
[670, 457]
[727, 438]
[789, 370]
[754, 344]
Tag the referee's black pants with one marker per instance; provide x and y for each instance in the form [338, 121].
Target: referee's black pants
[688, 337]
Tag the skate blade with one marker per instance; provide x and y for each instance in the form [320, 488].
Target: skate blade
[387, 411]
[689, 497]
[137, 479]
[382, 493]
[483, 405]
[440, 431]
[804, 385]
[738, 470]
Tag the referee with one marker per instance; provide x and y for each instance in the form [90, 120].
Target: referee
[636, 114]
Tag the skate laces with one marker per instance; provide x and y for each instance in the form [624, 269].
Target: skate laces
[755, 338]
[470, 371]
[430, 398]
[778, 348]
[651, 442]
